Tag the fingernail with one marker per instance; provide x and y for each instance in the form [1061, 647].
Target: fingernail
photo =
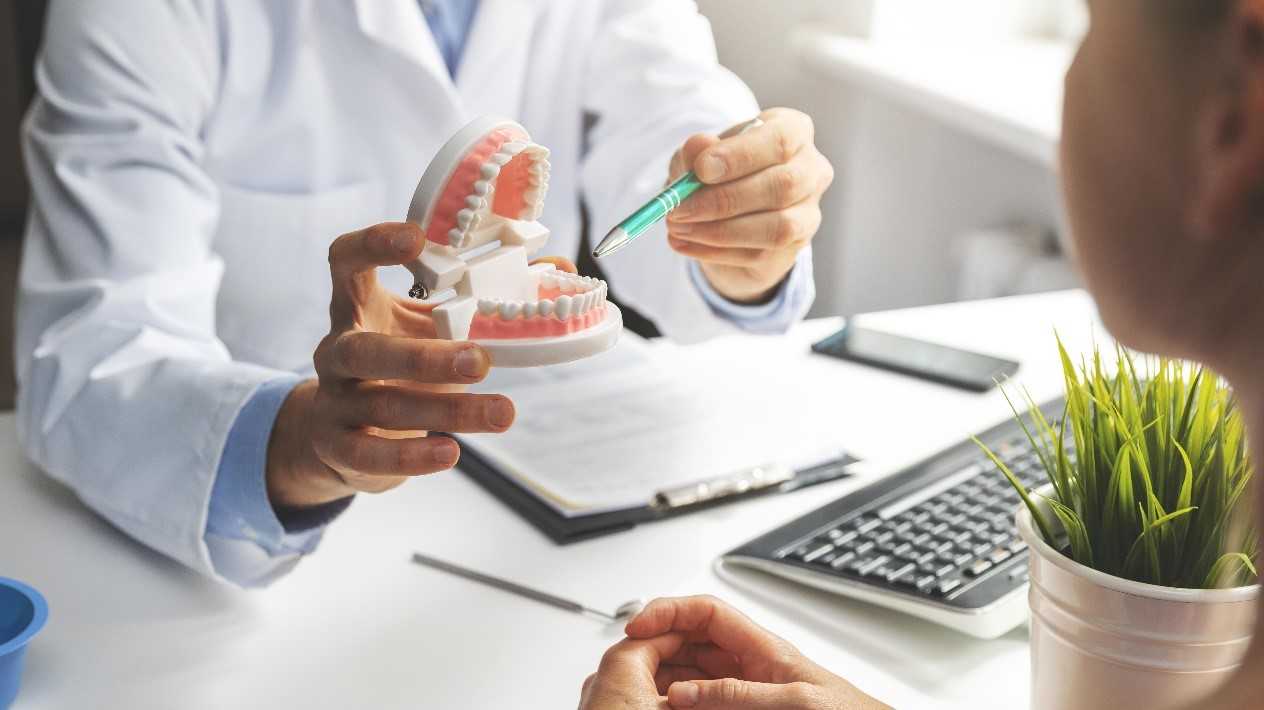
[683, 695]
[681, 230]
[445, 452]
[712, 168]
[403, 240]
[684, 211]
[470, 363]
[500, 413]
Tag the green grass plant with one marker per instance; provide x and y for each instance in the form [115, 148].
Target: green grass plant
[1150, 473]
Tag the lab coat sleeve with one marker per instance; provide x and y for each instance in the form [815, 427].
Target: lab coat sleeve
[652, 80]
[126, 395]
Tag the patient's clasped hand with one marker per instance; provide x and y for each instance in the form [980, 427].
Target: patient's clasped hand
[479, 204]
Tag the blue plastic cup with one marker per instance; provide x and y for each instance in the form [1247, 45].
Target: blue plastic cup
[23, 612]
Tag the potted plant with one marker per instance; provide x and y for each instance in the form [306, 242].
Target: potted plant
[1142, 546]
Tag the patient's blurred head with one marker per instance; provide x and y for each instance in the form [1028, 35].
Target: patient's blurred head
[1163, 170]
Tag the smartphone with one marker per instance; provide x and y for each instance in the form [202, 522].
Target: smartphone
[958, 368]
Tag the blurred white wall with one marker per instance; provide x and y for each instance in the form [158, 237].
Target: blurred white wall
[900, 224]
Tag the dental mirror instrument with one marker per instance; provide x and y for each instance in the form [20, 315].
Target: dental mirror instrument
[626, 611]
[657, 209]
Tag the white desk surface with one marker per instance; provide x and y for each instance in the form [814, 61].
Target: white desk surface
[358, 626]
[1006, 92]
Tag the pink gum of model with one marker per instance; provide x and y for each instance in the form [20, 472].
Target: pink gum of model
[479, 203]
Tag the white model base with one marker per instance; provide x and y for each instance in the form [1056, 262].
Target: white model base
[537, 352]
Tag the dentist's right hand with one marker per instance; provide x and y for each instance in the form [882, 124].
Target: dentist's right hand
[383, 380]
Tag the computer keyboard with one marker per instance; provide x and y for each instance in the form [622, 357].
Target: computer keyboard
[936, 540]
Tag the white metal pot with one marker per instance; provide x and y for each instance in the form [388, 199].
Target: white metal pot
[1099, 641]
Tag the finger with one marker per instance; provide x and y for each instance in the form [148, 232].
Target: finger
[784, 135]
[667, 675]
[363, 355]
[684, 159]
[763, 230]
[726, 627]
[354, 256]
[395, 408]
[713, 660]
[776, 188]
[561, 263]
[731, 694]
[744, 258]
[646, 653]
[361, 453]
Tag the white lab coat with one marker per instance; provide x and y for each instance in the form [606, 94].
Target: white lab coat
[192, 160]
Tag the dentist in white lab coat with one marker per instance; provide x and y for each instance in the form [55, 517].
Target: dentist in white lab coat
[203, 358]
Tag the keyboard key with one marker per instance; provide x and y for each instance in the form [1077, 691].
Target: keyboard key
[859, 564]
[924, 582]
[940, 547]
[921, 539]
[818, 553]
[981, 549]
[946, 587]
[843, 537]
[882, 536]
[870, 565]
[864, 547]
[903, 550]
[925, 557]
[1016, 546]
[799, 553]
[938, 527]
[897, 573]
[843, 560]
[978, 568]
[959, 536]
[960, 558]
[999, 555]
[866, 523]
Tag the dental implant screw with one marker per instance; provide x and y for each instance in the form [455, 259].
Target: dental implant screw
[419, 292]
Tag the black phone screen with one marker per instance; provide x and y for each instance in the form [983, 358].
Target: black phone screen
[939, 363]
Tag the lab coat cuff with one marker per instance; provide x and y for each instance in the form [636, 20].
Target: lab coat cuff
[788, 306]
[239, 507]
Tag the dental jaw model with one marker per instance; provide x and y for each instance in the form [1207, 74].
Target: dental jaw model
[479, 204]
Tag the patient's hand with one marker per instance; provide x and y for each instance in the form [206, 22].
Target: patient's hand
[700, 653]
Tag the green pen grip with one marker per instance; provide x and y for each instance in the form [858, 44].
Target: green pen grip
[659, 207]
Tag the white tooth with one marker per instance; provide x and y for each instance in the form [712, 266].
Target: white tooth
[546, 308]
[475, 202]
[550, 279]
[564, 305]
[527, 214]
[476, 221]
[490, 170]
[456, 236]
[603, 290]
[530, 309]
[486, 307]
[539, 212]
[482, 187]
[532, 197]
[538, 168]
[501, 158]
[541, 152]
[464, 217]
[510, 310]
[582, 304]
[513, 147]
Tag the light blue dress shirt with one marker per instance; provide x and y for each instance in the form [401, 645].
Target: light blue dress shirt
[239, 508]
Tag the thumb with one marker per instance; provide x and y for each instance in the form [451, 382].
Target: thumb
[733, 694]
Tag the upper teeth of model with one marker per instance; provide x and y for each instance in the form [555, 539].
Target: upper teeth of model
[477, 202]
[580, 294]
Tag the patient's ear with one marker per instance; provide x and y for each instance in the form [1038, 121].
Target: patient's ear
[1229, 192]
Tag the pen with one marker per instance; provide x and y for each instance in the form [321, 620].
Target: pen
[658, 208]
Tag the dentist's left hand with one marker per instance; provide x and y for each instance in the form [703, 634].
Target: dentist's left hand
[383, 380]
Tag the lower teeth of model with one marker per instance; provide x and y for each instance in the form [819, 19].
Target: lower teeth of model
[562, 307]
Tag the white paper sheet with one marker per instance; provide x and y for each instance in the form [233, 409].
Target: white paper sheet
[610, 438]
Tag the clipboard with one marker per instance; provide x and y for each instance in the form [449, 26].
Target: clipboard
[564, 530]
